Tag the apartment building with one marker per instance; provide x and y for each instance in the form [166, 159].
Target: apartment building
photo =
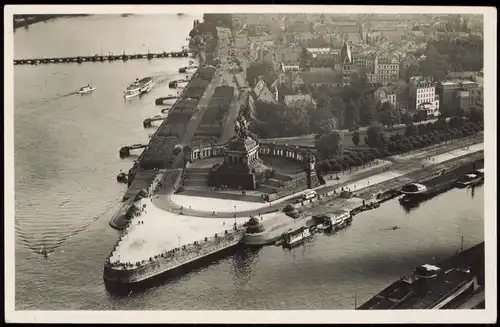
[386, 70]
[422, 95]
[457, 93]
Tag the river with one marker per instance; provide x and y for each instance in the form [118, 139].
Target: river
[66, 161]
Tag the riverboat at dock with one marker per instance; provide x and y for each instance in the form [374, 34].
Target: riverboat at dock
[296, 237]
[469, 180]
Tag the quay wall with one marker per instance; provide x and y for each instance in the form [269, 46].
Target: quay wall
[130, 273]
[386, 190]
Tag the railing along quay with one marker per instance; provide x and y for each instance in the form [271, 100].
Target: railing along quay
[100, 58]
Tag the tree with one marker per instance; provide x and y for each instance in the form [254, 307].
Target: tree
[367, 110]
[321, 119]
[456, 122]
[406, 119]
[420, 115]
[338, 109]
[355, 138]
[411, 130]
[351, 114]
[330, 145]
[409, 72]
[459, 112]
[374, 136]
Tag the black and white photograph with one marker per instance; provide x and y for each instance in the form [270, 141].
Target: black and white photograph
[250, 164]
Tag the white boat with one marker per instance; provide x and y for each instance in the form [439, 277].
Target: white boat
[191, 68]
[139, 87]
[297, 236]
[333, 219]
[181, 84]
[86, 89]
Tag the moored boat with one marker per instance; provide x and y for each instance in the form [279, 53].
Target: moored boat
[296, 237]
[178, 84]
[138, 87]
[333, 220]
[468, 180]
[86, 89]
[169, 99]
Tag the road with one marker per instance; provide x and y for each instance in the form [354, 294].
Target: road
[309, 139]
[411, 169]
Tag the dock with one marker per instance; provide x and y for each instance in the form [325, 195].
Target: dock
[101, 58]
[125, 150]
[147, 123]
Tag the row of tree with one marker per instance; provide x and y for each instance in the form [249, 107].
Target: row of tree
[382, 145]
[451, 54]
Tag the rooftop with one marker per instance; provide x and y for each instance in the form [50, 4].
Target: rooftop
[457, 82]
[323, 51]
[324, 76]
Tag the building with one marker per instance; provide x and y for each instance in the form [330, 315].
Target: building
[347, 67]
[320, 76]
[289, 55]
[422, 94]
[299, 101]
[456, 93]
[406, 63]
[262, 93]
[386, 70]
[321, 57]
[386, 94]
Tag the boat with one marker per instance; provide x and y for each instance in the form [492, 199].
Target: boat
[138, 87]
[335, 219]
[322, 227]
[178, 84]
[86, 89]
[296, 237]
[122, 177]
[190, 68]
[479, 172]
[429, 287]
[169, 99]
[468, 180]
[414, 192]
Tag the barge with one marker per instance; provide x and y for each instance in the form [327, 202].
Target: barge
[442, 286]
[296, 237]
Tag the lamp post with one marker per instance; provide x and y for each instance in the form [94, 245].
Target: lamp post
[234, 215]
[179, 241]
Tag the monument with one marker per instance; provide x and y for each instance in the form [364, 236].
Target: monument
[242, 168]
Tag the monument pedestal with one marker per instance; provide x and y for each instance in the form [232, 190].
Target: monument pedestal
[242, 168]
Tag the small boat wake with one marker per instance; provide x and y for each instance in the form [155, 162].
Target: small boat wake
[45, 237]
[391, 228]
[43, 101]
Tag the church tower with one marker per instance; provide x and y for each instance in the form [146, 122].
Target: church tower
[345, 62]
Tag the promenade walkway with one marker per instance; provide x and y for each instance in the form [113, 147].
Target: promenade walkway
[353, 180]
[157, 230]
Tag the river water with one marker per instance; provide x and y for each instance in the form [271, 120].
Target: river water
[66, 161]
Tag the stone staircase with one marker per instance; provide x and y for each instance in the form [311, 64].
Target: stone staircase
[196, 177]
[272, 185]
